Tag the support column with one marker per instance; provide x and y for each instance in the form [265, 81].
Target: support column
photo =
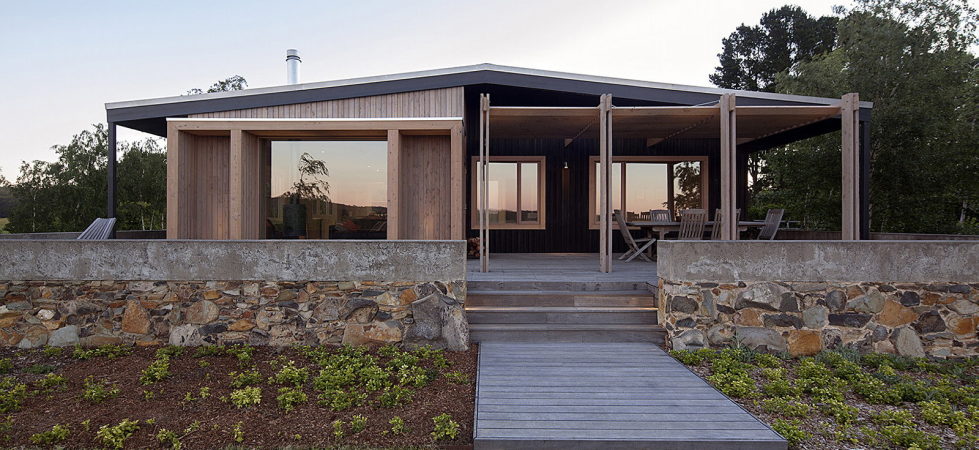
[457, 176]
[864, 176]
[849, 108]
[484, 112]
[173, 182]
[729, 166]
[605, 183]
[110, 209]
[394, 184]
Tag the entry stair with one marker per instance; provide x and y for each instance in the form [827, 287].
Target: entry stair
[562, 312]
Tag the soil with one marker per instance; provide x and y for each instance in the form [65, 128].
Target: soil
[266, 425]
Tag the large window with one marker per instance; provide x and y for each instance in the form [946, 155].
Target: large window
[327, 190]
[644, 183]
[516, 193]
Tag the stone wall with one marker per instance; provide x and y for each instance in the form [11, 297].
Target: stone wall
[916, 299]
[325, 292]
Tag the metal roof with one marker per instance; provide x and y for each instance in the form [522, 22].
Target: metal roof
[150, 114]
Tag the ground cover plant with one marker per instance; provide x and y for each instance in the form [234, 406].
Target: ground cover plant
[236, 396]
[842, 399]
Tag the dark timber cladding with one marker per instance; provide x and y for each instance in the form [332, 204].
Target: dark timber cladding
[603, 395]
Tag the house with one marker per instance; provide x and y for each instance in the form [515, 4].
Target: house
[398, 156]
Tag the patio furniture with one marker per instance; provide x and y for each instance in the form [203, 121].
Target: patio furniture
[692, 223]
[772, 221]
[100, 228]
[719, 221]
[634, 248]
[660, 215]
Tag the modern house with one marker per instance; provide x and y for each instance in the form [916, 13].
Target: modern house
[400, 156]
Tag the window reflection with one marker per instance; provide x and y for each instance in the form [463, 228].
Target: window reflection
[328, 190]
[647, 187]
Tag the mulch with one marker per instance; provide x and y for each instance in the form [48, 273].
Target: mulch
[265, 425]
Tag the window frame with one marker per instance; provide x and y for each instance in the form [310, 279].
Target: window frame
[541, 223]
[594, 223]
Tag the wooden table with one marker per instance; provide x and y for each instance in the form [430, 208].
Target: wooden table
[660, 229]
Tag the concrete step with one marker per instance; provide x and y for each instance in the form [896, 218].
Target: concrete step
[560, 298]
[566, 333]
[560, 315]
[536, 285]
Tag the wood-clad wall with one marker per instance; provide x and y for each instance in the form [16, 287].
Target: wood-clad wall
[431, 103]
[425, 201]
[204, 193]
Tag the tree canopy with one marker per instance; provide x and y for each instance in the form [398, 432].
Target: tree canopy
[912, 59]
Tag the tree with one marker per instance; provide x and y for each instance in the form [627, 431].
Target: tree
[912, 59]
[232, 83]
[753, 56]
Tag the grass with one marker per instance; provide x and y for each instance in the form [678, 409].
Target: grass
[842, 399]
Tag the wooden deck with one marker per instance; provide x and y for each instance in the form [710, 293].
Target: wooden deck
[582, 268]
[603, 395]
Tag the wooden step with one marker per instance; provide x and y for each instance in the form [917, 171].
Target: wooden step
[537, 285]
[562, 315]
[558, 298]
[551, 332]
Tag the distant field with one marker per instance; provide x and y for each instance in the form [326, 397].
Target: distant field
[3, 223]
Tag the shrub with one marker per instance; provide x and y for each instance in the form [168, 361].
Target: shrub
[842, 412]
[241, 351]
[338, 429]
[50, 381]
[339, 399]
[934, 412]
[40, 369]
[290, 397]
[108, 351]
[781, 388]
[397, 425]
[790, 431]
[249, 396]
[12, 394]
[158, 370]
[290, 374]
[894, 417]
[395, 396]
[209, 350]
[768, 361]
[237, 432]
[98, 391]
[169, 352]
[457, 377]
[909, 437]
[169, 438]
[786, 407]
[734, 384]
[57, 433]
[6, 365]
[413, 376]
[116, 435]
[445, 428]
[51, 351]
[245, 378]
[358, 423]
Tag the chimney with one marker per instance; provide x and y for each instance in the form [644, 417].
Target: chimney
[292, 66]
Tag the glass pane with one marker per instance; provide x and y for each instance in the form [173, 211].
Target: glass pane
[686, 185]
[529, 192]
[328, 190]
[645, 189]
[502, 193]
[615, 192]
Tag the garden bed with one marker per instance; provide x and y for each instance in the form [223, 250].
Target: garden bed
[842, 399]
[214, 397]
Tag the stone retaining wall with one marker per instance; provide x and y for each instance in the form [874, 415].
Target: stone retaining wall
[910, 298]
[326, 292]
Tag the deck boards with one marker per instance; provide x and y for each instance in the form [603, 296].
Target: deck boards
[557, 267]
[603, 395]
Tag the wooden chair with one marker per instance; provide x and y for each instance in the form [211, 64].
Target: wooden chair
[660, 215]
[100, 228]
[692, 223]
[634, 248]
[715, 232]
[772, 221]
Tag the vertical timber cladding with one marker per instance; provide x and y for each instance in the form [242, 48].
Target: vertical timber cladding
[201, 191]
[425, 188]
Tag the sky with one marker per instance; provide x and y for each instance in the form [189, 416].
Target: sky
[60, 62]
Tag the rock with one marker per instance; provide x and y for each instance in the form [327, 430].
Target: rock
[894, 315]
[242, 325]
[749, 317]
[763, 295]
[185, 335]
[708, 303]
[872, 302]
[135, 319]
[440, 321]
[286, 295]
[326, 311]
[789, 303]
[782, 320]
[64, 336]
[45, 314]
[688, 340]
[805, 342]
[683, 304]
[835, 300]
[18, 306]
[10, 318]
[816, 317]
[959, 288]
[99, 340]
[427, 314]
[910, 298]
[374, 333]
[686, 322]
[455, 328]
[720, 334]
[832, 338]
[884, 347]
[964, 307]
[763, 339]
[359, 310]
[201, 312]
[930, 322]
[964, 325]
[907, 343]
[35, 336]
[854, 320]
[212, 328]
